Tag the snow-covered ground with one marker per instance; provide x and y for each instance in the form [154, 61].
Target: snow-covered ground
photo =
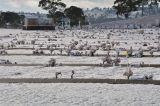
[74, 59]
[124, 39]
[79, 95]
[80, 72]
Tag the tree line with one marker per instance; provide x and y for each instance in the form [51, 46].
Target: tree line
[125, 7]
[58, 11]
[11, 19]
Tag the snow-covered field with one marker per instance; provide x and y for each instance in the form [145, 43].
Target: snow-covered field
[74, 59]
[80, 72]
[93, 38]
[78, 94]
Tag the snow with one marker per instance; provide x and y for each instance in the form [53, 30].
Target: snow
[74, 59]
[80, 72]
[79, 95]
[126, 38]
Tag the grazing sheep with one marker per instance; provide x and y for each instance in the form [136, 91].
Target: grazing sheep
[112, 43]
[52, 62]
[51, 50]
[41, 52]
[107, 59]
[92, 52]
[140, 53]
[33, 42]
[3, 51]
[58, 73]
[148, 77]
[151, 52]
[116, 61]
[38, 52]
[35, 51]
[77, 53]
[108, 47]
[5, 61]
[103, 46]
[12, 45]
[81, 47]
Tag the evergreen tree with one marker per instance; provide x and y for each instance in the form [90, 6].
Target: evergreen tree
[124, 7]
[58, 16]
[75, 14]
[10, 17]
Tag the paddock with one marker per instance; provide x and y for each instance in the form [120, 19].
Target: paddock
[89, 46]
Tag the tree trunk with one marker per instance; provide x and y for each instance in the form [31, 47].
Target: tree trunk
[142, 7]
[128, 77]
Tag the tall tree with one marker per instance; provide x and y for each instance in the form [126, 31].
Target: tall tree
[75, 14]
[142, 4]
[10, 17]
[51, 5]
[58, 16]
[153, 4]
[124, 7]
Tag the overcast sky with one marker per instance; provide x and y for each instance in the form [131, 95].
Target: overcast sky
[32, 5]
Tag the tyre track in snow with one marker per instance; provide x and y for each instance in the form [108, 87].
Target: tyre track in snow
[53, 80]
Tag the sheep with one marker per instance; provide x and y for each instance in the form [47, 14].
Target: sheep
[92, 52]
[3, 51]
[116, 61]
[52, 62]
[112, 43]
[38, 52]
[35, 51]
[140, 53]
[77, 53]
[51, 50]
[12, 45]
[108, 47]
[81, 47]
[41, 52]
[148, 77]
[107, 59]
[151, 52]
[68, 51]
[33, 42]
[103, 46]
[58, 73]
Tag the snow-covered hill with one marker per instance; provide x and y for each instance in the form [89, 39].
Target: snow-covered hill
[141, 22]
